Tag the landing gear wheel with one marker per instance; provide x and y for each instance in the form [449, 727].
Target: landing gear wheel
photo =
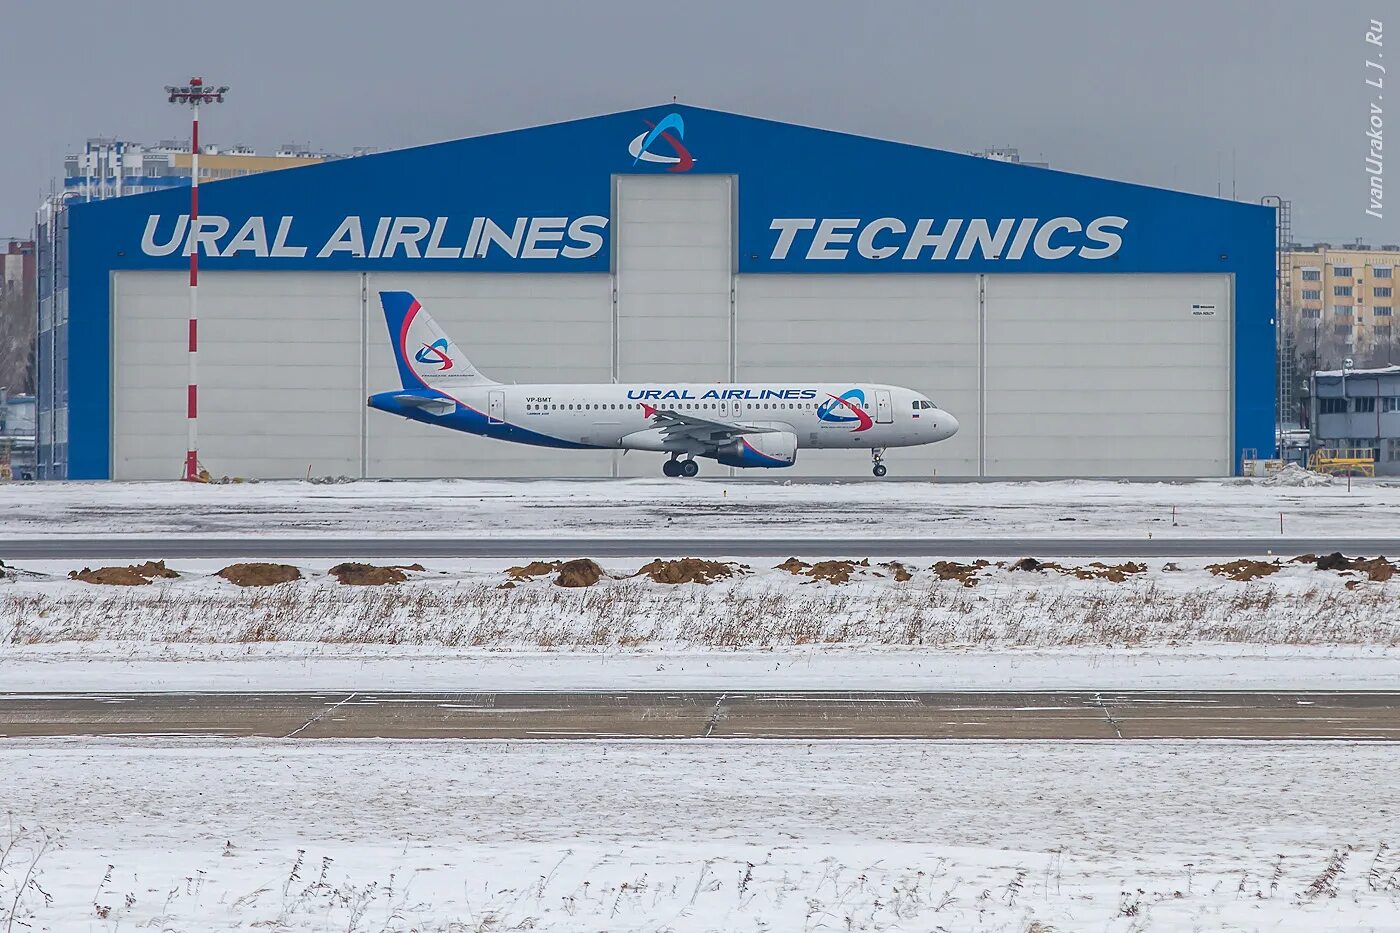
[671, 467]
[879, 469]
[689, 468]
[877, 456]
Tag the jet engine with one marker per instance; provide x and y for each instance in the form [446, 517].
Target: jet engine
[770, 449]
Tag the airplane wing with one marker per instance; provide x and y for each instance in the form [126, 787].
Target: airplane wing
[689, 430]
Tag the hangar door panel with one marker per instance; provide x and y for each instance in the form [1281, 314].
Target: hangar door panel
[279, 373]
[918, 331]
[514, 328]
[674, 262]
[1125, 375]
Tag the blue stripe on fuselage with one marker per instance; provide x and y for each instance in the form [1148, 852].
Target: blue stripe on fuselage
[469, 421]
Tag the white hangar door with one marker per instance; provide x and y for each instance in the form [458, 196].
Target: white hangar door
[918, 331]
[1121, 375]
[279, 373]
[515, 327]
[674, 271]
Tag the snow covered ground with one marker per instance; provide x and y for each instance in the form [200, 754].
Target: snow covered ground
[475, 604]
[251, 835]
[1235, 507]
[136, 667]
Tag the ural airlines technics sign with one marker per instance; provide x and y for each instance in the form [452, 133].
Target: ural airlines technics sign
[379, 237]
[816, 240]
[829, 238]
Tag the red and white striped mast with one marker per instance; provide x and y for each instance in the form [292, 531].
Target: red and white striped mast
[194, 94]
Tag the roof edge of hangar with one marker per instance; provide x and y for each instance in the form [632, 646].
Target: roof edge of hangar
[984, 165]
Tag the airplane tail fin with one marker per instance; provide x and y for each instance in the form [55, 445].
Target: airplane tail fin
[426, 356]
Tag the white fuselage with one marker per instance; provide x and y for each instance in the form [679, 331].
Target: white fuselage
[621, 415]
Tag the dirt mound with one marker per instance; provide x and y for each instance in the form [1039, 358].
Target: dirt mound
[259, 574]
[353, 574]
[1244, 569]
[966, 574]
[1114, 573]
[535, 568]
[1334, 561]
[1377, 569]
[110, 576]
[836, 571]
[900, 573]
[1098, 570]
[130, 575]
[832, 571]
[581, 572]
[690, 570]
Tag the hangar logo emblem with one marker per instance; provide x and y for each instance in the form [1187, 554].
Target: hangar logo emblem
[853, 402]
[671, 130]
[435, 352]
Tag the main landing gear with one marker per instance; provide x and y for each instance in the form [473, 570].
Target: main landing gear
[877, 456]
[675, 467]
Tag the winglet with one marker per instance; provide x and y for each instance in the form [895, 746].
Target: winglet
[648, 411]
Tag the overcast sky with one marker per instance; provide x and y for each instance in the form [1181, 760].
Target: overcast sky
[1261, 98]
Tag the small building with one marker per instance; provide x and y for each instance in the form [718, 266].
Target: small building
[113, 168]
[17, 448]
[1358, 409]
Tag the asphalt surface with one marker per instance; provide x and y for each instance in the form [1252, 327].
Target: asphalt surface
[345, 547]
[629, 714]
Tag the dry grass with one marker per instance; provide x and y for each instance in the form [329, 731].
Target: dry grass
[749, 612]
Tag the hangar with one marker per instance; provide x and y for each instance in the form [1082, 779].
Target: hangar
[1075, 326]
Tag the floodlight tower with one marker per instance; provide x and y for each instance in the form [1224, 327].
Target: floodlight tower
[194, 94]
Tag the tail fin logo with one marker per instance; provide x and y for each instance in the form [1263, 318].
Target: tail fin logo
[435, 352]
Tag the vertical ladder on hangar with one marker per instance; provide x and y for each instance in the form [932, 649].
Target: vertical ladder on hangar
[1286, 401]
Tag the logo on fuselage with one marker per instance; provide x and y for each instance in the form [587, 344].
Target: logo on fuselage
[435, 352]
[847, 408]
[671, 130]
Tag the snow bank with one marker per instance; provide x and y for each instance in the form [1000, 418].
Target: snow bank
[1295, 476]
[242, 835]
[461, 604]
[143, 667]
[720, 508]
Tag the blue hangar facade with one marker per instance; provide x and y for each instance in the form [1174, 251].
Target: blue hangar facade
[1076, 326]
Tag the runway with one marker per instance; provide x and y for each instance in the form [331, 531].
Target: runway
[1052, 715]
[371, 546]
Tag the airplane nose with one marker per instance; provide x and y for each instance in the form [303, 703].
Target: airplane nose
[947, 424]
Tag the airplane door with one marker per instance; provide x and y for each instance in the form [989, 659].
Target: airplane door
[496, 408]
[884, 409]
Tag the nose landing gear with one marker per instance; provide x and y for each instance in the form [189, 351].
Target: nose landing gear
[877, 457]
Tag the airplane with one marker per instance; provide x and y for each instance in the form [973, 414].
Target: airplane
[736, 424]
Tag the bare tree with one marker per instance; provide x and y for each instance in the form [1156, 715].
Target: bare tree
[17, 340]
